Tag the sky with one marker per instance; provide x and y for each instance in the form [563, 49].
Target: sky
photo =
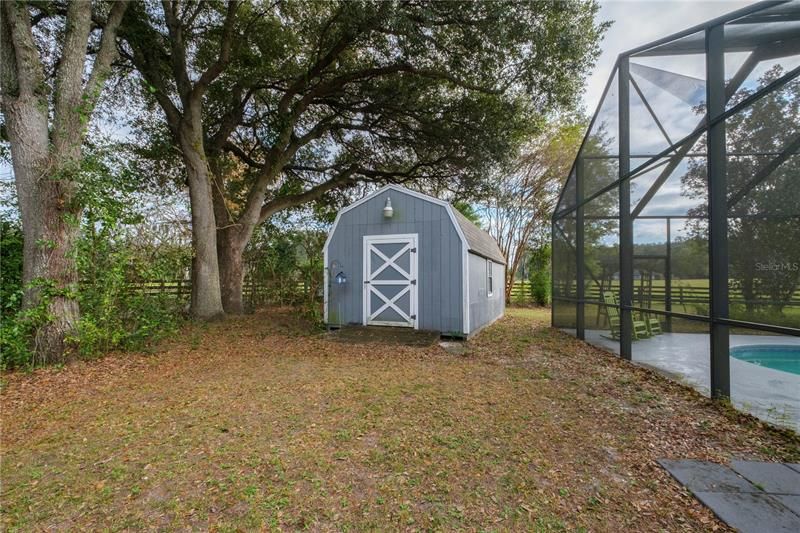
[637, 22]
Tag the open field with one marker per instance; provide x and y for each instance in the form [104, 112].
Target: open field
[263, 422]
[691, 297]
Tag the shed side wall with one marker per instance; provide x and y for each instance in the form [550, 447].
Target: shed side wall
[440, 303]
[484, 309]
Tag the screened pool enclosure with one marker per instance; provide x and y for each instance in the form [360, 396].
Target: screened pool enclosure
[676, 238]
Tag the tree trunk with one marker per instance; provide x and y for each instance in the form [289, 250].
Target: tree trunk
[512, 265]
[49, 226]
[233, 235]
[231, 243]
[509, 278]
[50, 230]
[48, 215]
[53, 261]
[230, 252]
[206, 300]
[46, 145]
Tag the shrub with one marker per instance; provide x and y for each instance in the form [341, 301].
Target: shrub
[109, 261]
[539, 263]
[113, 316]
[540, 287]
[10, 265]
[16, 327]
[286, 265]
[16, 332]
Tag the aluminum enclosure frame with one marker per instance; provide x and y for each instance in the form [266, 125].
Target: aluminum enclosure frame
[765, 31]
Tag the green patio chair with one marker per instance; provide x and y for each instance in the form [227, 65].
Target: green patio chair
[653, 325]
[640, 329]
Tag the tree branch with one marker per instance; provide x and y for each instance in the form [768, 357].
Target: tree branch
[230, 119]
[151, 59]
[315, 70]
[216, 68]
[240, 154]
[23, 74]
[275, 160]
[147, 63]
[178, 50]
[342, 179]
[106, 54]
[68, 92]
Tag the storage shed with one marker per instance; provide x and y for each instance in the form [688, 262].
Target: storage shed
[402, 258]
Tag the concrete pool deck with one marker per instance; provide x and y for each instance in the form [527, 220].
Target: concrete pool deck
[771, 395]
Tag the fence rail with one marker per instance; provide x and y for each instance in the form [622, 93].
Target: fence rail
[261, 293]
[521, 293]
[253, 293]
[683, 295]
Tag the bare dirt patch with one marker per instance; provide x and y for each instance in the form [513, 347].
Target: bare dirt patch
[263, 422]
[384, 335]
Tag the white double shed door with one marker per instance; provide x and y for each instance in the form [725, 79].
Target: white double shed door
[390, 280]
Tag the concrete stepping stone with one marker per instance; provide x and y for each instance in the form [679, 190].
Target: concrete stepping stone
[453, 347]
[754, 496]
[774, 478]
[703, 476]
[751, 512]
[792, 502]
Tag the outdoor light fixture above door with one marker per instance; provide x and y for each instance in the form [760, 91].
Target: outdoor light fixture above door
[388, 212]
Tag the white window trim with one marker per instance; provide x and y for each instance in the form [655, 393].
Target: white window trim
[489, 278]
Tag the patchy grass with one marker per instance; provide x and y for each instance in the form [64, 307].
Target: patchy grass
[263, 422]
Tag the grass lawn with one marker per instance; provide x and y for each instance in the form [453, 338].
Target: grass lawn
[263, 422]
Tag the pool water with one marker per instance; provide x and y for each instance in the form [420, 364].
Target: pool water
[783, 357]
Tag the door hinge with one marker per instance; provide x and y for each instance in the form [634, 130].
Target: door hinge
[413, 317]
[366, 282]
[413, 250]
[413, 282]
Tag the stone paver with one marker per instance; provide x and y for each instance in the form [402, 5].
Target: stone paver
[750, 512]
[752, 497]
[790, 501]
[774, 478]
[454, 348]
[702, 476]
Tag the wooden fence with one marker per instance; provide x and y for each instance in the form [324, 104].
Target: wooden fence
[683, 296]
[260, 293]
[521, 293]
[255, 294]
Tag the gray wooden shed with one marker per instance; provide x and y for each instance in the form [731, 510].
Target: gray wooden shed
[401, 258]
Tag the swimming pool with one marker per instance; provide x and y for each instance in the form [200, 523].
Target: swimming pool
[783, 357]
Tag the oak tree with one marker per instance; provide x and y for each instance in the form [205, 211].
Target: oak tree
[316, 96]
[50, 87]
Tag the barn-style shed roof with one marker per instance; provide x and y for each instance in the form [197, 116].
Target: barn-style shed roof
[478, 241]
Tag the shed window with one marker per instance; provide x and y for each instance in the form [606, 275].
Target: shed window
[489, 277]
